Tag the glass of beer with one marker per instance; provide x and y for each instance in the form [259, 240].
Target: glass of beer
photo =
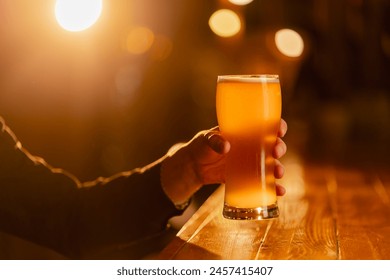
[249, 112]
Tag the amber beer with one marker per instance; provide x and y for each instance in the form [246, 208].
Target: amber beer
[249, 112]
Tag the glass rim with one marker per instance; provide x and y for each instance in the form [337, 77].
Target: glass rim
[250, 78]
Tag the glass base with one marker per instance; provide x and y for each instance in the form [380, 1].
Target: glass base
[258, 213]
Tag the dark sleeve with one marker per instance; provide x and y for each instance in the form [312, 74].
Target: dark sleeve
[52, 208]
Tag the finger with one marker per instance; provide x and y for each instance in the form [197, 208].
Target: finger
[280, 148]
[283, 128]
[279, 170]
[280, 190]
[216, 142]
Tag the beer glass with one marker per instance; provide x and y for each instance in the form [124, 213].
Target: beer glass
[249, 112]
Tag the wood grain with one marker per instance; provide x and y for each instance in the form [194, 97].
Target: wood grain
[218, 237]
[327, 213]
[306, 227]
[363, 215]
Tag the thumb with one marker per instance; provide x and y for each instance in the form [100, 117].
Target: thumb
[217, 143]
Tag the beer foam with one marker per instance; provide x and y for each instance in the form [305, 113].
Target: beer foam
[249, 78]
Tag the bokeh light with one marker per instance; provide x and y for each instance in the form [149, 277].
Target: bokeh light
[240, 2]
[225, 23]
[289, 42]
[139, 40]
[76, 15]
[162, 47]
[127, 81]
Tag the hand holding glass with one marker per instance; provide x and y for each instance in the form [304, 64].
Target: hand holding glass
[249, 113]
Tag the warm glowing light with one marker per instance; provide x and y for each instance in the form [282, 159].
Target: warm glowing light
[240, 2]
[139, 40]
[225, 23]
[77, 15]
[162, 47]
[289, 42]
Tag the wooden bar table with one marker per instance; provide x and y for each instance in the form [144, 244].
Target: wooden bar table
[328, 213]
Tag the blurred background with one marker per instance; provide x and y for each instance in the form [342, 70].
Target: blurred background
[101, 97]
[119, 93]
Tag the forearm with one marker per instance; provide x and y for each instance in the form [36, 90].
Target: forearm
[130, 206]
[52, 208]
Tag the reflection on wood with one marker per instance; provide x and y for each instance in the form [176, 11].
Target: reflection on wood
[305, 229]
[328, 213]
[363, 216]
